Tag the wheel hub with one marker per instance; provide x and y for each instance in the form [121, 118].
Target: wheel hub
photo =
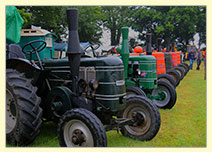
[139, 119]
[78, 137]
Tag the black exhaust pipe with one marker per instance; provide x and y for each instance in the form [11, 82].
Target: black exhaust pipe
[159, 45]
[168, 46]
[173, 47]
[149, 43]
[74, 51]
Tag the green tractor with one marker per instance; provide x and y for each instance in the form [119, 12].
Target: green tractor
[141, 75]
[85, 96]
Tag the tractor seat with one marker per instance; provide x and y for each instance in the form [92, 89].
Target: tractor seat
[15, 51]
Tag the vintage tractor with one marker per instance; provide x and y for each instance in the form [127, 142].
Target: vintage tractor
[170, 63]
[173, 62]
[140, 72]
[85, 96]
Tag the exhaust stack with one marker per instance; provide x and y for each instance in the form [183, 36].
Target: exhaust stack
[149, 43]
[159, 45]
[125, 49]
[74, 50]
[168, 46]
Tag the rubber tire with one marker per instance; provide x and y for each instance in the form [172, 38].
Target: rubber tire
[175, 75]
[181, 70]
[167, 78]
[152, 111]
[90, 120]
[185, 67]
[171, 91]
[28, 111]
[135, 90]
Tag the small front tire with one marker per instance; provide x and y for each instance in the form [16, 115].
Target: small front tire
[81, 128]
[168, 93]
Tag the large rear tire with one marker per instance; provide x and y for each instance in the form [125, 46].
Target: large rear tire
[23, 113]
[168, 94]
[168, 78]
[175, 75]
[184, 67]
[135, 91]
[149, 125]
[181, 71]
[81, 128]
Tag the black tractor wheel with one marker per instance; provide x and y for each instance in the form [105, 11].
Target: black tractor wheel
[184, 67]
[168, 78]
[175, 75]
[23, 113]
[135, 91]
[81, 128]
[147, 118]
[181, 71]
[167, 95]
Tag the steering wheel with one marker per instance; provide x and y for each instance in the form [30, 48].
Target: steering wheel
[93, 48]
[34, 49]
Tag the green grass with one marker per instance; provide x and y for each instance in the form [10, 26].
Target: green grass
[182, 126]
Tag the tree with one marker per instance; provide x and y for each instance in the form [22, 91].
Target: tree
[115, 17]
[172, 23]
[53, 19]
[201, 25]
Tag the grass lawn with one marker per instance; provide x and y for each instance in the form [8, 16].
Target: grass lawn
[182, 126]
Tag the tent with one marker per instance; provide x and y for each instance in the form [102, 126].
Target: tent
[14, 24]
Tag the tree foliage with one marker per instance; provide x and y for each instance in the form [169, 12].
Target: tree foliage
[115, 17]
[53, 19]
[171, 23]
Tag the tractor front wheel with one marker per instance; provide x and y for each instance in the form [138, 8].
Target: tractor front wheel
[81, 128]
[23, 113]
[146, 115]
[166, 93]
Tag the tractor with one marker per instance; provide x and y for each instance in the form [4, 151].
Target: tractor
[85, 96]
[141, 72]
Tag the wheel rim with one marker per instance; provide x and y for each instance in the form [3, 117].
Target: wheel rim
[159, 90]
[143, 127]
[77, 134]
[10, 112]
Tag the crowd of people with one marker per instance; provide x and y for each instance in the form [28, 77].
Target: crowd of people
[196, 56]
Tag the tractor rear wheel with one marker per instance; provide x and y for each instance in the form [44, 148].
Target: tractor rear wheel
[135, 91]
[81, 128]
[23, 113]
[167, 94]
[147, 125]
[168, 78]
[184, 67]
[181, 71]
[175, 75]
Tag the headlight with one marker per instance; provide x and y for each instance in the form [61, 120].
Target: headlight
[139, 71]
[93, 84]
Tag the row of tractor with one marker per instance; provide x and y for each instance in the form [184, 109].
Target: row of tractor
[88, 95]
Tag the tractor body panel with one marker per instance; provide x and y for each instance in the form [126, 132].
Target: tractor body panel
[144, 71]
[108, 71]
[168, 60]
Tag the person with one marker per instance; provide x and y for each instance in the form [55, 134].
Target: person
[199, 58]
[191, 57]
[204, 58]
[182, 57]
